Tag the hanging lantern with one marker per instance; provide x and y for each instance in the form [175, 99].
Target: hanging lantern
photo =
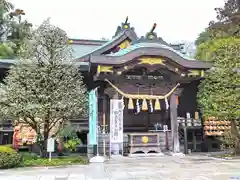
[130, 104]
[144, 105]
[157, 105]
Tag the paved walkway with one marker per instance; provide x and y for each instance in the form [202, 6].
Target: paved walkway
[125, 168]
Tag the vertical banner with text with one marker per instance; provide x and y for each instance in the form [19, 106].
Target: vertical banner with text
[93, 114]
[116, 121]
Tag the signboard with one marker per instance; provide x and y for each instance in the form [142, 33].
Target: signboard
[93, 114]
[116, 120]
[50, 145]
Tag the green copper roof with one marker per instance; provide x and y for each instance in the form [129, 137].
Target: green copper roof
[80, 50]
[99, 47]
[148, 45]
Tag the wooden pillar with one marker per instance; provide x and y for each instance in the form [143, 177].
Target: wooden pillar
[104, 125]
[104, 110]
[174, 124]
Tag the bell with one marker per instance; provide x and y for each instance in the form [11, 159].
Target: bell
[130, 104]
[144, 105]
[157, 105]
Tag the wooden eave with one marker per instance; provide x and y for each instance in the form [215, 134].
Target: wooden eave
[148, 51]
[7, 63]
[126, 34]
[88, 42]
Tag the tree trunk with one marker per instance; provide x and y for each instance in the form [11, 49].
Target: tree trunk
[42, 148]
[43, 142]
[237, 146]
[236, 137]
[60, 146]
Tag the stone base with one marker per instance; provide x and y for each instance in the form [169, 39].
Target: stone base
[97, 159]
[116, 157]
[145, 155]
[176, 154]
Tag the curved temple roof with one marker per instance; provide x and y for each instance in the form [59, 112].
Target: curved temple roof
[128, 33]
[149, 49]
[150, 45]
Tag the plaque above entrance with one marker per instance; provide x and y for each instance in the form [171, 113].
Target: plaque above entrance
[139, 77]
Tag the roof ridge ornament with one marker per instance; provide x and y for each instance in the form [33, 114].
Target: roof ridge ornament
[151, 36]
[124, 26]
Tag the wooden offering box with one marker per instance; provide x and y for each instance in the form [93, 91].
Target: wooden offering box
[144, 142]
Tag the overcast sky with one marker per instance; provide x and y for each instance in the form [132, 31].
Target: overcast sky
[93, 19]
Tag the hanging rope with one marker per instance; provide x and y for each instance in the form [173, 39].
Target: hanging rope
[139, 96]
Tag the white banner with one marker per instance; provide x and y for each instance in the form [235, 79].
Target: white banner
[116, 120]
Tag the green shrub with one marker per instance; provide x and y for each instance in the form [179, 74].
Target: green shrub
[29, 156]
[60, 161]
[6, 149]
[72, 144]
[5, 52]
[9, 158]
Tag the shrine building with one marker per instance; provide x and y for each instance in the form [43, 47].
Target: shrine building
[155, 80]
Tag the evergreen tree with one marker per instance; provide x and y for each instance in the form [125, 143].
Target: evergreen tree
[228, 19]
[45, 89]
[219, 92]
[227, 24]
[19, 31]
[14, 33]
[5, 8]
[203, 37]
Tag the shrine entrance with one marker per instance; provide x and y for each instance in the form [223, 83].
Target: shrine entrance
[149, 135]
[144, 78]
[147, 118]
